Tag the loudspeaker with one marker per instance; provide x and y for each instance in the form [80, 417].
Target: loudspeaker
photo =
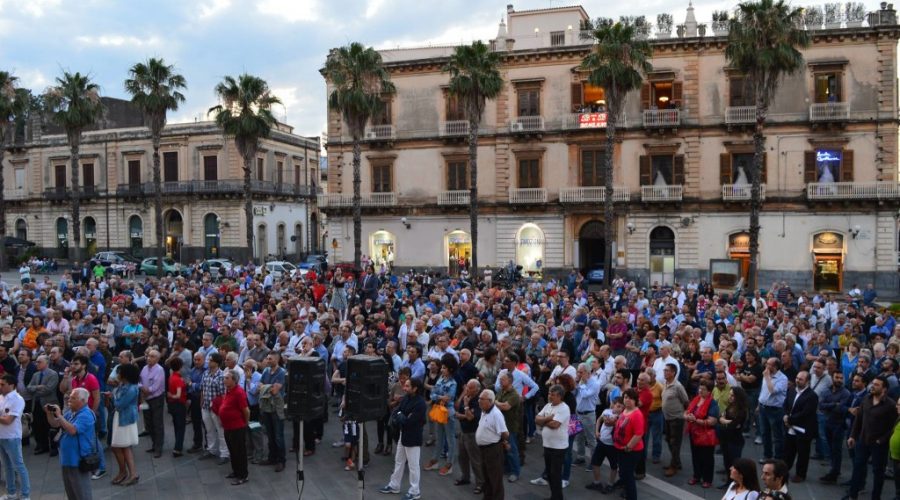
[306, 398]
[367, 380]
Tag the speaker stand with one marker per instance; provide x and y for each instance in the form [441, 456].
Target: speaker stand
[360, 471]
[300, 478]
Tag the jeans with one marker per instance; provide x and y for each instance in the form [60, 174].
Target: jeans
[511, 466]
[215, 434]
[530, 412]
[586, 441]
[553, 464]
[656, 429]
[834, 435]
[275, 433]
[567, 460]
[179, 422]
[196, 420]
[11, 453]
[446, 433]
[771, 420]
[404, 456]
[879, 455]
[823, 448]
[627, 462]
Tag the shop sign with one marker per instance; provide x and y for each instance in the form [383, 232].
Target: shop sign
[384, 242]
[592, 120]
[137, 234]
[259, 210]
[458, 239]
[531, 242]
[828, 242]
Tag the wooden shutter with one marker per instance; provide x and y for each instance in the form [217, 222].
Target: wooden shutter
[809, 167]
[646, 175]
[577, 97]
[764, 168]
[677, 93]
[60, 174]
[170, 166]
[260, 172]
[134, 172]
[725, 168]
[847, 166]
[87, 177]
[678, 170]
[210, 168]
[645, 96]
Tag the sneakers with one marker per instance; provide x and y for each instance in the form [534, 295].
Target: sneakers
[513, 478]
[539, 482]
[349, 465]
[411, 496]
[431, 465]
[387, 490]
[565, 483]
[95, 476]
[446, 470]
[758, 440]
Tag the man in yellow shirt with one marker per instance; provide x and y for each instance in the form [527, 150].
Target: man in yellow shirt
[656, 420]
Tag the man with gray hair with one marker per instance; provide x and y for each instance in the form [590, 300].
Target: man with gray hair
[587, 397]
[77, 424]
[468, 412]
[42, 389]
[153, 390]
[493, 441]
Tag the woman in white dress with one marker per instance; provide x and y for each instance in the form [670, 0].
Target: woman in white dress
[744, 481]
[125, 430]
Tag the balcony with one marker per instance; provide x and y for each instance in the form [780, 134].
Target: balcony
[587, 121]
[741, 192]
[829, 112]
[455, 128]
[853, 191]
[528, 196]
[740, 115]
[366, 200]
[210, 187]
[56, 193]
[381, 132]
[526, 124]
[453, 198]
[662, 193]
[15, 194]
[662, 118]
[592, 194]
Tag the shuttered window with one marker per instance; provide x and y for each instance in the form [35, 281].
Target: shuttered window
[457, 175]
[661, 169]
[592, 171]
[382, 178]
[529, 173]
[529, 101]
[170, 166]
[826, 165]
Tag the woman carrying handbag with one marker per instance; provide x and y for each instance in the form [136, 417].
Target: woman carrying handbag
[701, 416]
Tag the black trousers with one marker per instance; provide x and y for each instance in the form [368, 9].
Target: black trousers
[179, 419]
[796, 447]
[732, 446]
[703, 459]
[236, 440]
[674, 432]
[153, 421]
[41, 430]
[492, 457]
[196, 420]
[553, 463]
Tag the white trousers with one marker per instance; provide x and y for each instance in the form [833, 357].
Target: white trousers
[403, 456]
[215, 434]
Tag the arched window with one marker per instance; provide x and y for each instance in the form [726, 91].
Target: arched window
[90, 235]
[280, 241]
[298, 240]
[262, 247]
[62, 236]
[136, 235]
[662, 256]
[21, 229]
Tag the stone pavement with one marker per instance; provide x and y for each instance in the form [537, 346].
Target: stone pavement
[187, 477]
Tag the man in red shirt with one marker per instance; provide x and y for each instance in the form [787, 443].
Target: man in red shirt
[645, 397]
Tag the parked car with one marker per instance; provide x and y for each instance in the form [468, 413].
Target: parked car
[117, 262]
[170, 267]
[278, 269]
[216, 264]
[314, 261]
[595, 275]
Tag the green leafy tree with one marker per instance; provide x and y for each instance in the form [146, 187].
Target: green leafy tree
[74, 104]
[246, 114]
[618, 61]
[155, 89]
[358, 81]
[474, 79]
[12, 107]
[763, 42]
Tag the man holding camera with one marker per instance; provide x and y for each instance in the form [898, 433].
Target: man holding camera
[78, 433]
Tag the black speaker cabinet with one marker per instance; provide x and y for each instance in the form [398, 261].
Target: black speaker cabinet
[367, 380]
[306, 398]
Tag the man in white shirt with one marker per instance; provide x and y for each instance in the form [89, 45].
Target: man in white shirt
[492, 438]
[11, 408]
[554, 420]
[141, 300]
[665, 357]
[562, 368]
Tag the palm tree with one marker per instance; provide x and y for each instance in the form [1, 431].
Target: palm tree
[474, 78]
[246, 114]
[763, 42]
[11, 107]
[617, 62]
[359, 80]
[74, 104]
[155, 88]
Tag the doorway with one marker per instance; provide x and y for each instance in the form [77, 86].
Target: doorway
[827, 273]
[739, 250]
[90, 235]
[174, 226]
[662, 256]
[592, 245]
[459, 252]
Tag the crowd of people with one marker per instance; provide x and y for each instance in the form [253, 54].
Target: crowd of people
[478, 373]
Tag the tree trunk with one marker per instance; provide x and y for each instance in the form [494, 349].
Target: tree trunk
[2, 202]
[76, 199]
[609, 222]
[357, 205]
[759, 141]
[157, 209]
[473, 196]
[248, 207]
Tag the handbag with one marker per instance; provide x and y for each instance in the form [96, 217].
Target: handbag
[575, 425]
[439, 413]
[701, 435]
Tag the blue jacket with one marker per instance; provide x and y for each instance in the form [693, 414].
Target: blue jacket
[125, 401]
[412, 421]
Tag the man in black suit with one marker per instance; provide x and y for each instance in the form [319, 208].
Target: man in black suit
[370, 285]
[801, 425]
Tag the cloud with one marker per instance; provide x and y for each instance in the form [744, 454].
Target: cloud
[34, 8]
[118, 41]
[213, 7]
[291, 11]
[32, 79]
[374, 8]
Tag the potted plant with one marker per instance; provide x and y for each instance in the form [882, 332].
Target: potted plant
[701, 29]
[642, 27]
[833, 15]
[663, 25]
[813, 17]
[679, 30]
[854, 12]
[720, 22]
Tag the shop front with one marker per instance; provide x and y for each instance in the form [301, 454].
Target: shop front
[136, 233]
[662, 256]
[459, 252]
[382, 248]
[739, 250]
[530, 249]
[828, 261]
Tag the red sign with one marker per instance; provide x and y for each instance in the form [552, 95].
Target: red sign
[592, 120]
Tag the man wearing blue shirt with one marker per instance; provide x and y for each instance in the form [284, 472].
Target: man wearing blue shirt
[587, 398]
[771, 412]
[77, 425]
[519, 379]
[414, 362]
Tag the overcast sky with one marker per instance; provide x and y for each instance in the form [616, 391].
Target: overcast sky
[282, 41]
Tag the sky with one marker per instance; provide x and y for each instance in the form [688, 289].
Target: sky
[282, 41]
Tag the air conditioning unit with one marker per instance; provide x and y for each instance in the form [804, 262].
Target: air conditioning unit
[517, 127]
[371, 135]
